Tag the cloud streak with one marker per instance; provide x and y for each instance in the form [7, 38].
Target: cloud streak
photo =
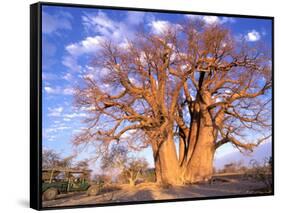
[211, 19]
[59, 90]
[53, 23]
[55, 112]
[103, 28]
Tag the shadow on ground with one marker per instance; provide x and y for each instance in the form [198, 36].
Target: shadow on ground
[152, 191]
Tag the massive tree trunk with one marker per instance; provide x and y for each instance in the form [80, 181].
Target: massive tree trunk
[196, 149]
[199, 166]
[166, 161]
[187, 145]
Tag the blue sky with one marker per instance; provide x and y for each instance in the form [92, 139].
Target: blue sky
[70, 37]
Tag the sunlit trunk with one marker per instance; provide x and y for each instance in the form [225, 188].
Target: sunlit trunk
[199, 167]
[132, 182]
[158, 177]
[166, 161]
[193, 135]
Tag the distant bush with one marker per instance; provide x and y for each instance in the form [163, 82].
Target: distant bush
[131, 167]
[149, 175]
[233, 167]
[102, 179]
[262, 171]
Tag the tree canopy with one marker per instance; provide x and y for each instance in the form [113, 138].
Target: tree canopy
[194, 83]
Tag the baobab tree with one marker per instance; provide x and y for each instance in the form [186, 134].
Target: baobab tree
[194, 84]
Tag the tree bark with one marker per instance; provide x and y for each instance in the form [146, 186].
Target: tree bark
[132, 182]
[166, 161]
[182, 149]
[158, 177]
[193, 135]
[199, 167]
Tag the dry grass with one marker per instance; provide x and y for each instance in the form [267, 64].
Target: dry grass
[233, 184]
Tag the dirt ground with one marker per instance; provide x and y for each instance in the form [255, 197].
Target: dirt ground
[220, 186]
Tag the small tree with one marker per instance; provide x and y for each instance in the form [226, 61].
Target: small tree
[133, 169]
[130, 167]
[262, 171]
[229, 168]
[149, 175]
[82, 164]
[66, 162]
[102, 179]
[50, 159]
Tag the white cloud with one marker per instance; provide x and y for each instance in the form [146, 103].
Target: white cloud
[75, 115]
[51, 133]
[219, 99]
[47, 76]
[135, 17]
[68, 91]
[227, 20]
[190, 16]
[104, 28]
[87, 109]
[51, 90]
[124, 45]
[48, 136]
[53, 23]
[55, 112]
[142, 58]
[63, 127]
[128, 133]
[253, 36]
[100, 23]
[228, 91]
[71, 63]
[59, 90]
[68, 77]
[88, 45]
[159, 26]
[211, 19]
[88, 76]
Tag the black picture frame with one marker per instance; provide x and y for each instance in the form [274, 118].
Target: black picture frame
[36, 102]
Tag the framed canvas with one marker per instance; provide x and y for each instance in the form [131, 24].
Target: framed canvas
[134, 105]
